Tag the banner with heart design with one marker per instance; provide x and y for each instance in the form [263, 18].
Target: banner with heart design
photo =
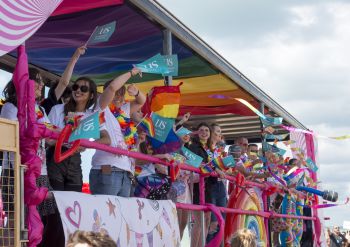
[129, 221]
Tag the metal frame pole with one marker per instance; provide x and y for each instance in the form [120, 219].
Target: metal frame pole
[266, 199]
[167, 50]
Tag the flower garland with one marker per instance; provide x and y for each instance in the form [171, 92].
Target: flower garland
[127, 126]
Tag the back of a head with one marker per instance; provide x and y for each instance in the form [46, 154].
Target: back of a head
[243, 238]
[90, 239]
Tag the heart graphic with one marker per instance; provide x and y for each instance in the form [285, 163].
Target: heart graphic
[74, 212]
[65, 133]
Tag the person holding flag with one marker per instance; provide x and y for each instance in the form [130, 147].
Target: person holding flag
[112, 174]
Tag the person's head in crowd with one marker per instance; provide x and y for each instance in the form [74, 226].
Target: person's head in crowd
[90, 239]
[243, 238]
[34, 74]
[278, 201]
[10, 93]
[137, 116]
[65, 96]
[236, 151]
[336, 230]
[10, 90]
[203, 133]
[253, 149]
[294, 162]
[119, 97]
[243, 142]
[141, 135]
[216, 135]
[84, 95]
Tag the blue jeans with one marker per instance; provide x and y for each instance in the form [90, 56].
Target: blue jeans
[218, 198]
[117, 183]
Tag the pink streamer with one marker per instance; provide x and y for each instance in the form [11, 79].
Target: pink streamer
[33, 195]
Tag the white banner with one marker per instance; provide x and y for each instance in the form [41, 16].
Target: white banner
[346, 225]
[129, 221]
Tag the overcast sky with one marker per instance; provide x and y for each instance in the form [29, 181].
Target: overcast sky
[297, 52]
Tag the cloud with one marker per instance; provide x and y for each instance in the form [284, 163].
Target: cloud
[295, 51]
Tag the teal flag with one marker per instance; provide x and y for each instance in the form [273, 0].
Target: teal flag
[274, 137]
[270, 121]
[229, 161]
[158, 64]
[311, 165]
[88, 128]
[182, 132]
[273, 148]
[172, 65]
[102, 33]
[192, 158]
[162, 126]
[154, 65]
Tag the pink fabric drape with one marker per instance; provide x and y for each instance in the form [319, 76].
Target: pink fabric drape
[72, 6]
[310, 148]
[29, 142]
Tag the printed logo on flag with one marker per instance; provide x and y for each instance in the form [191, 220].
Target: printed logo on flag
[192, 158]
[162, 126]
[172, 65]
[102, 33]
[158, 64]
[88, 128]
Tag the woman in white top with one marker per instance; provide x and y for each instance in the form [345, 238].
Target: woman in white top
[9, 111]
[111, 174]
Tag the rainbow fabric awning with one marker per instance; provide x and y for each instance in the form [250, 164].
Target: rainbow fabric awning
[136, 39]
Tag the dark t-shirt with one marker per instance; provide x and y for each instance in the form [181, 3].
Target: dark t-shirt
[337, 240]
[50, 101]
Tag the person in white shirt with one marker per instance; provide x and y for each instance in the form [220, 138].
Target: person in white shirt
[9, 111]
[111, 174]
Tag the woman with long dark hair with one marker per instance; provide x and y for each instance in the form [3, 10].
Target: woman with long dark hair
[199, 145]
[9, 111]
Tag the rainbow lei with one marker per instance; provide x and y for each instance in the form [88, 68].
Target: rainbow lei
[127, 126]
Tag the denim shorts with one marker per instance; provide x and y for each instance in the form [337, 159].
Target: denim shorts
[117, 183]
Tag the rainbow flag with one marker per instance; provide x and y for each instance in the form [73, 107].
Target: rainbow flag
[147, 125]
[206, 168]
[138, 170]
[218, 163]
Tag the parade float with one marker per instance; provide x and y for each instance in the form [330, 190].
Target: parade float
[211, 89]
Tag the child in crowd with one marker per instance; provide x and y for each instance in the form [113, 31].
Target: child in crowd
[244, 238]
[90, 239]
[152, 179]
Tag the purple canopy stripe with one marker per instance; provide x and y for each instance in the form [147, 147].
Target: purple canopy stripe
[29, 143]
[21, 19]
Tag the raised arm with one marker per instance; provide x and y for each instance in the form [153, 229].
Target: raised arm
[109, 93]
[140, 98]
[67, 74]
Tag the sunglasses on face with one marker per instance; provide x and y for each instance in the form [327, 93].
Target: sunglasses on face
[254, 151]
[83, 88]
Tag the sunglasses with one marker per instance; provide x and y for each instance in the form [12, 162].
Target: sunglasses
[83, 88]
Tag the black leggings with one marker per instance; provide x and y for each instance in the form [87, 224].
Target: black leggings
[65, 176]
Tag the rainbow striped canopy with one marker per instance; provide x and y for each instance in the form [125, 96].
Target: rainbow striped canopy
[136, 39]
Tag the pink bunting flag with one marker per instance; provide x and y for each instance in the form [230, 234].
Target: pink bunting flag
[21, 19]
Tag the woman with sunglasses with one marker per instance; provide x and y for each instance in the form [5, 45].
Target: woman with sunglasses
[199, 145]
[67, 175]
[9, 111]
[112, 174]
